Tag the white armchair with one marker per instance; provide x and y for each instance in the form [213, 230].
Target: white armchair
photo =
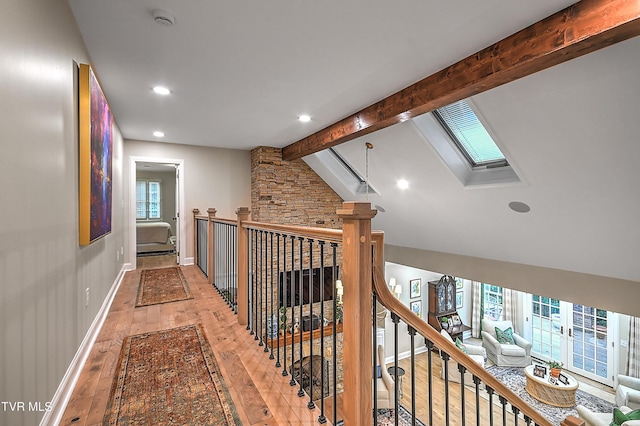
[386, 390]
[517, 354]
[628, 391]
[602, 419]
[476, 353]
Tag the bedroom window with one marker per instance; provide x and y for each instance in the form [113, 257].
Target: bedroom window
[147, 199]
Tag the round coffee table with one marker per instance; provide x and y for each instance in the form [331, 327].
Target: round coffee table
[557, 394]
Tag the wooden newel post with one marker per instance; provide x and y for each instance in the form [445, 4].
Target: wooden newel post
[196, 212]
[211, 270]
[243, 267]
[356, 279]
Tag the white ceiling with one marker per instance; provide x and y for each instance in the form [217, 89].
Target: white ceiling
[241, 72]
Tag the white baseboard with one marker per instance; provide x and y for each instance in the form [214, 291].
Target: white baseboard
[65, 389]
[406, 354]
[188, 261]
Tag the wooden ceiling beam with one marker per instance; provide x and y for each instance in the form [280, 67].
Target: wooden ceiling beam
[584, 27]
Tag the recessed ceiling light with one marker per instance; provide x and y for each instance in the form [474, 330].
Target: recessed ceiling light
[158, 134]
[161, 90]
[304, 118]
[519, 207]
[403, 184]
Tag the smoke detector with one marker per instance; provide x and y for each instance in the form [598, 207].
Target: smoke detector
[163, 17]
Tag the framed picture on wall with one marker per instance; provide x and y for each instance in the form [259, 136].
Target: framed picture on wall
[414, 285]
[458, 283]
[459, 298]
[416, 308]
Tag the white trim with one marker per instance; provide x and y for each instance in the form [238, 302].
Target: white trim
[65, 388]
[182, 232]
[188, 261]
[406, 354]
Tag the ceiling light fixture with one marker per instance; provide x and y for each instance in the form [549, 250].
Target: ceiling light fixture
[163, 17]
[158, 134]
[304, 118]
[403, 184]
[161, 90]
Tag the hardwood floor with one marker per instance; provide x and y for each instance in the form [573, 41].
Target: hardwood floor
[260, 393]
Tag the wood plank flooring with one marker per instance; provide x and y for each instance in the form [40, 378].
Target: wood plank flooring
[260, 393]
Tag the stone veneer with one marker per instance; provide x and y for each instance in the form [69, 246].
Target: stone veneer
[290, 192]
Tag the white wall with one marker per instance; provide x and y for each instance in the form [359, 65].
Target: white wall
[213, 178]
[43, 270]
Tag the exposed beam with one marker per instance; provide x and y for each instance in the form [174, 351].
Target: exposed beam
[582, 28]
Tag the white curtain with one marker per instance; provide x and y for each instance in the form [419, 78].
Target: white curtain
[633, 352]
[476, 313]
[510, 306]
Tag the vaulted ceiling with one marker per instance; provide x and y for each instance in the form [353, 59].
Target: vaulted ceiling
[241, 73]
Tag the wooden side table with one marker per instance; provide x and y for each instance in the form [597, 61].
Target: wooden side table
[558, 395]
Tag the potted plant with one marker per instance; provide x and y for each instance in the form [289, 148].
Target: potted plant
[445, 322]
[555, 367]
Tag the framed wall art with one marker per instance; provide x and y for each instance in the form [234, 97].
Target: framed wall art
[416, 308]
[96, 125]
[459, 298]
[414, 286]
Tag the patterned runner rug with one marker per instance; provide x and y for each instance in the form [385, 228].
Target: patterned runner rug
[515, 380]
[169, 377]
[161, 286]
[404, 417]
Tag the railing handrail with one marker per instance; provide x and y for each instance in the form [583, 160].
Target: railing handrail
[225, 221]
[328, 234]
[385, 297]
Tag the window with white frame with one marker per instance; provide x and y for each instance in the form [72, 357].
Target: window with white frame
[492, 302]
[147, 199]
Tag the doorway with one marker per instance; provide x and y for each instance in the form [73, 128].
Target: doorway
[157, 207]
[574, 334]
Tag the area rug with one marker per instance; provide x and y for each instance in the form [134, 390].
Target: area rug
[169, 377]
[162, 285]
[404, 417]
[515, 380]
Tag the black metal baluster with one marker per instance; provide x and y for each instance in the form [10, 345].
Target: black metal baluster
[445, 363]
[429, 345]
[412, 334]
[476, 381]
[279, 297]
[503, 401]
[292, 382]
[285, 302]
[263, 292]
[311, 405]
[334, 351]
[271, 356]
[396, 319]
[516, 413]
[252, 250]
[461, 370]
[374, 345]
[322, 418]
[490, 392]
[301, 293]
[259, 288]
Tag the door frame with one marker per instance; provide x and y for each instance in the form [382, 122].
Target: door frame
[182, 246]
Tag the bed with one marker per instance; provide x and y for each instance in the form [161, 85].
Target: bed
[153, 237]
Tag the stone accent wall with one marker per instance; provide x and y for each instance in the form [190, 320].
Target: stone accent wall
[290, 192]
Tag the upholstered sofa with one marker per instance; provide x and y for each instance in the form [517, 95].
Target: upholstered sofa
[516, 354]
[628, 391]
[602, 419]
[476, 353]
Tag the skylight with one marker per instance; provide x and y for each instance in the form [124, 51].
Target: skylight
[470, 136]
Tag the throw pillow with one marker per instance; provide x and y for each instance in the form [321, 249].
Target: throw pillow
[379, 374]
[619, 417]
[505, 336]
[461, 346]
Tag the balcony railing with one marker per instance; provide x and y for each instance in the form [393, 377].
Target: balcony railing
[312, 298]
